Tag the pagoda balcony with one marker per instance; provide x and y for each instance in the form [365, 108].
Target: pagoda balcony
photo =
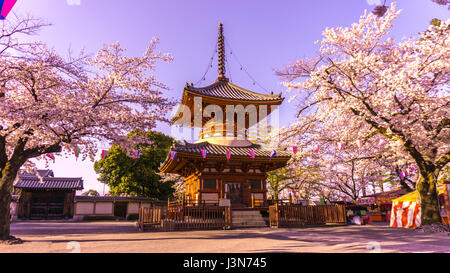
[213, 129]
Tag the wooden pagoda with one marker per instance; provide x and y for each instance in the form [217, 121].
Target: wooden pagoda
[234, 168]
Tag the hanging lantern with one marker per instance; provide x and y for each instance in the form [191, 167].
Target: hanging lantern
[228, 155]
[104, 153]
[173, 154]
[77, 152]
[5, 8]
[204, 152]
[274, 153]
[50, 156]
[252, 154]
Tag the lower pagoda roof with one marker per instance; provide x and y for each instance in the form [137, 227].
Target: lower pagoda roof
[218, 152]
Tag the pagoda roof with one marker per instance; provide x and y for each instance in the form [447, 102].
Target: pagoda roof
[221, 150]
[217, 151]
[225, 90]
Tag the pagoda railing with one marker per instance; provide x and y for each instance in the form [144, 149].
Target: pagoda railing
[179, 215]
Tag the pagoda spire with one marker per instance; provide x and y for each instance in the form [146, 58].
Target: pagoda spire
[221, 54]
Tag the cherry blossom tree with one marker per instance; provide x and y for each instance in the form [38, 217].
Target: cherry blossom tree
[50, 104]
[335, 170]
[366, 88]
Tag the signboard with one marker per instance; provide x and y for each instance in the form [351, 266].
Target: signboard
[366, 201]
[224, 203]
[386, 199]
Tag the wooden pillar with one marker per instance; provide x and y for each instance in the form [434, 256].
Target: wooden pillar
[25, 205]
[68, 209]
[245, 191]
[263, 181]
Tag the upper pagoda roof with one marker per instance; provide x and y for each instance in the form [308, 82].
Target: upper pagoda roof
[223, 89]
[222, 92]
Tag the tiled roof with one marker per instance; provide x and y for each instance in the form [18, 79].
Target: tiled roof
[227, 90]
[216, 149]
[49, 183]
[116, 198]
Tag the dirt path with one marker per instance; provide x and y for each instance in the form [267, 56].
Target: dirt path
[123, 237]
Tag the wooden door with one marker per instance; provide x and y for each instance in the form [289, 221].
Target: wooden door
[47, 205]
[233, 191]
[120, 209]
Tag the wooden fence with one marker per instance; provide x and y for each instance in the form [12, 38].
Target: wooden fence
[298, 215]
[176, 217]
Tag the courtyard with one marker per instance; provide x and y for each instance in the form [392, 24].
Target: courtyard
[124, 237]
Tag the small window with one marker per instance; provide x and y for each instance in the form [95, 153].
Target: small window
[209, 184]
[255, 184]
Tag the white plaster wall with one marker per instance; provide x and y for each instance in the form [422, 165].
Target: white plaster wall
[133, 208]
[104, 208]
[84, 208]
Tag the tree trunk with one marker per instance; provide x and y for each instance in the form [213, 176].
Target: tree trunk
[429, 198]
[7, 178]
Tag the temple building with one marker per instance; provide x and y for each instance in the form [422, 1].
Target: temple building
[46, 196]
[223, 163]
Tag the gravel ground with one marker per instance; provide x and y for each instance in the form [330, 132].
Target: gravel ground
[124, 237]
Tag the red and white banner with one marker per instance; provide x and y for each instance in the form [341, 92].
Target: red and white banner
[406, 214]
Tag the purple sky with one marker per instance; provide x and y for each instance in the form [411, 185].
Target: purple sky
[263, 34]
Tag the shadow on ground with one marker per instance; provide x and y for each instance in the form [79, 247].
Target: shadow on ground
[344, 238]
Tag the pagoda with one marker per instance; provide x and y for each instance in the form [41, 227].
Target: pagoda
[223, 163]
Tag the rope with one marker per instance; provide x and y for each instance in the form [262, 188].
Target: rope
[209, 65]
[243, 68]
[228, 68]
